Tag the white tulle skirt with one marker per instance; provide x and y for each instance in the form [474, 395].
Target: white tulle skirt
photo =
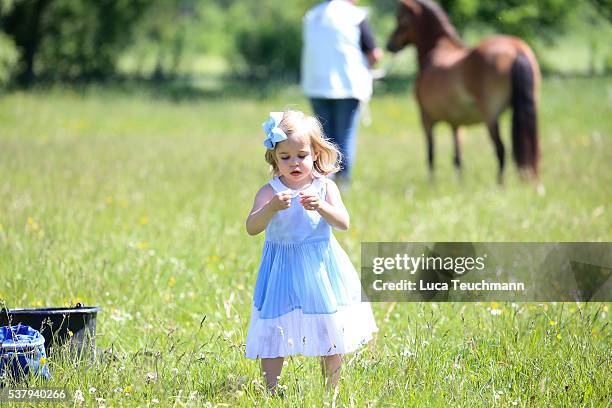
[307, 301]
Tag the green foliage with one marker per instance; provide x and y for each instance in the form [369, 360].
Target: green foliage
[9, 57]
[527, 19]
[68, 39]
[270, 49]
[608, 63]
[269, 40]
[162, 32]
[174, 33]
[84, 38]
[604, 8]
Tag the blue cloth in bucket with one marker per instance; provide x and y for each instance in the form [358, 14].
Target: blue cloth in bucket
[21, 348]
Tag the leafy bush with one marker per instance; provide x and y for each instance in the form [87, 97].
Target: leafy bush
[9, 57]
[608, 64]
[270, 48]
[84, 38]
[66, 39]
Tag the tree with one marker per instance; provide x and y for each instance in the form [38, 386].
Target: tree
[604, 7]
[67, 39]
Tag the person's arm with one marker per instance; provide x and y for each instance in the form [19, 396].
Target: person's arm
[266, 204]
[368, 44]
[332, 208]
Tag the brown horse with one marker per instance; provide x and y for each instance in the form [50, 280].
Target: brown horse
[464, 86]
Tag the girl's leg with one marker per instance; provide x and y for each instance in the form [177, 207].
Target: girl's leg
[330, 365]
[271, 368]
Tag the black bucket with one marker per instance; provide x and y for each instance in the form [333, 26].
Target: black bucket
[75, 326]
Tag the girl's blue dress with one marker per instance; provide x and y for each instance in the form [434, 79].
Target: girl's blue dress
[308, 294]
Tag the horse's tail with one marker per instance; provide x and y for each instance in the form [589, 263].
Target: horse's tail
[525, 148]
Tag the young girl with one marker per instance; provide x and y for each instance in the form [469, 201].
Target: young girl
[307, 295]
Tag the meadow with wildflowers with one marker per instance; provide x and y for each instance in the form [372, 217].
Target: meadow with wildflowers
[136, 202]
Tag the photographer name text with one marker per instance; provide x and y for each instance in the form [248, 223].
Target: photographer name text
[455, 284]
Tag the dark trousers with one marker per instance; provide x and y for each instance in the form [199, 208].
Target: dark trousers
[340, 120]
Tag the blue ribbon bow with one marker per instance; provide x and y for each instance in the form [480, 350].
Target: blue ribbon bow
[274, 134]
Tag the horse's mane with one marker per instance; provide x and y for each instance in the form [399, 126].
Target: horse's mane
[440, 16]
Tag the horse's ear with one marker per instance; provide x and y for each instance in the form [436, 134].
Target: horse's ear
[413, 5]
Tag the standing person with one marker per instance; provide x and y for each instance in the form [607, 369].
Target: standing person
[337, 53]
[308, 295]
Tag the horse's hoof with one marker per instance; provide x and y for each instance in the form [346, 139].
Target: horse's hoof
[500, 180]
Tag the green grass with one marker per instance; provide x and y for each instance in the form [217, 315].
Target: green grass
[136, 202]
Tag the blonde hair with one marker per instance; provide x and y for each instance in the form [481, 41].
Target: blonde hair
[297, 124]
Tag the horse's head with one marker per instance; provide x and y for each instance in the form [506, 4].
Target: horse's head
[405, 31]
[420, 21]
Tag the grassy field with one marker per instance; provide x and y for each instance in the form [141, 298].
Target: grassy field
[136, 202]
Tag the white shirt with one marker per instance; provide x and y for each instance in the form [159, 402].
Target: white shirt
[333, 64]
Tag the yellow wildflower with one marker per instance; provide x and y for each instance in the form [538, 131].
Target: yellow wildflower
[171, 281]
[213, 258]
[33, 224]
[144, 220]
[43, 360]
[552, 322]
[109, 200]
[70, 333]
[143, 245]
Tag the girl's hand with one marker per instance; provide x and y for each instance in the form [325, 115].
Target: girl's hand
[310, 201]
[280, 201]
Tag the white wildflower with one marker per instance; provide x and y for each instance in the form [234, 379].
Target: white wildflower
[407, 353]
[78, 396]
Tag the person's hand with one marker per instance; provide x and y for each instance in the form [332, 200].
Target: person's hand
[310, 201]
[374, 56]
[280, 201]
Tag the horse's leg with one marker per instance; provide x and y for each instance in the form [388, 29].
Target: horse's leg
[428, 127]
[457, 140]
[499, 148]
